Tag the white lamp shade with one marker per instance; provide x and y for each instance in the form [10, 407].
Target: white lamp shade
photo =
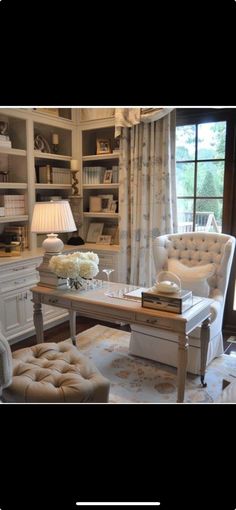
[52, 217]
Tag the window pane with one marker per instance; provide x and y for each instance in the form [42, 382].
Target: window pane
[185, 143]
[185, 179]
[209, 214]
[185, 215]
[211, 140]
[210, 179]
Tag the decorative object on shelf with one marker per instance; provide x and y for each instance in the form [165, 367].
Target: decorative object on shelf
[76, 267]
[103, 146]
[74, 170]
[55, 143]
[4, 138]
[40, 144]
[51, 218]
[104, 239]
[95, 230]
[116, 145]
[4, 175]
[3, 128]
[107, 177]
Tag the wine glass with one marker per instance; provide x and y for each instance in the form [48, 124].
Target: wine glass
[108, 271]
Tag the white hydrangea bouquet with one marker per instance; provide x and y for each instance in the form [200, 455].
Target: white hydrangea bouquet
[76, 267]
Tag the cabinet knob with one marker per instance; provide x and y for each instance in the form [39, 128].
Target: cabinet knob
[53, 301]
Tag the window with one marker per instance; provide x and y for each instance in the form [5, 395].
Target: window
[200, 172]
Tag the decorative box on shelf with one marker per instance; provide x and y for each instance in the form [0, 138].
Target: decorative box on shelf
[176, 302]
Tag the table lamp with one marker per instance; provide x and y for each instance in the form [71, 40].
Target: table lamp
[51, 218]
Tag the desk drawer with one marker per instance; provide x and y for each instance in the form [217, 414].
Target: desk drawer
[56, 301]
[151, 321]
[17, 283]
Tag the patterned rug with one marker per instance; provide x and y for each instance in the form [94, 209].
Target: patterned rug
[137, 380]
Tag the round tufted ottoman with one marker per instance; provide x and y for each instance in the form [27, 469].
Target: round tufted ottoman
[56, 373]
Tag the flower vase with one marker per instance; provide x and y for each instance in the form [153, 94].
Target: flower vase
[76, 283]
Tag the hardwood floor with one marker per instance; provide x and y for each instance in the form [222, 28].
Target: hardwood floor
[62, 331]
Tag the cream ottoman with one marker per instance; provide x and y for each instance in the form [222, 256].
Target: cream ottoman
[54, 373]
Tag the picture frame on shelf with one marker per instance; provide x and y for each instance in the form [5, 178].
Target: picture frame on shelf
[106, 201]
[95, 203]
[94, 231]
[112, 231]
[103, 146]
[107, 177]
[104, 239]
[113, 206]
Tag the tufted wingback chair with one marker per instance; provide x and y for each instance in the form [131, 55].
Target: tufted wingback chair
[192, 249]
[49, 373]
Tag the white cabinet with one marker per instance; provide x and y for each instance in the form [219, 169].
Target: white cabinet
[16, 308]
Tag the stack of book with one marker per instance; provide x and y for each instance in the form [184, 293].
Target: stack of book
[20, 234]
[115, 173]
[54, 175]
[93, 175]
[5, 141]
[14, 205]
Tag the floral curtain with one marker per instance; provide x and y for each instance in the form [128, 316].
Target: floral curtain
[147, 194]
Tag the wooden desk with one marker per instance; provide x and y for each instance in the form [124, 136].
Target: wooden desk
[96, 304]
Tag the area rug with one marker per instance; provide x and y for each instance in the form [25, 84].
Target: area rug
[137, 380]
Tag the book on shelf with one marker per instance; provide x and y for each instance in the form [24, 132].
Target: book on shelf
[60, 175]
[44, 173]
[48, 174]
[5, 143]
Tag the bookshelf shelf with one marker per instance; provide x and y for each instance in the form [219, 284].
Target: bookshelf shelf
[13, 219]
[100, 157]
[49, 155]
[101, 186]
[53, 186]
[13, 185]
[12, 152]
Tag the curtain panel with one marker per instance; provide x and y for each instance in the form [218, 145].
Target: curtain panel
[147, 195]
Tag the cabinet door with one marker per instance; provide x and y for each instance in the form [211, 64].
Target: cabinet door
[13, 314]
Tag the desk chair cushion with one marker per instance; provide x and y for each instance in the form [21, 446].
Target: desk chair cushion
[55, 372]
[193, 278]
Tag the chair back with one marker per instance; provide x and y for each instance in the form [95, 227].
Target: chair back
[198, 248]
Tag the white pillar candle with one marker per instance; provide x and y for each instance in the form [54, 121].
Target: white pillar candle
[55, 139]
[74, 164]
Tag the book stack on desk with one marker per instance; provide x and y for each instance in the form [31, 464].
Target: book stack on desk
[176, 302]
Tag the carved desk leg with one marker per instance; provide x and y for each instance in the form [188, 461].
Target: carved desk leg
[205, 336]
[182, 366]
[38, 322]
[73, 326]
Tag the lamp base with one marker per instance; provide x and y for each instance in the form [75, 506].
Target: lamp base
[53, 244]
[46, 277]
